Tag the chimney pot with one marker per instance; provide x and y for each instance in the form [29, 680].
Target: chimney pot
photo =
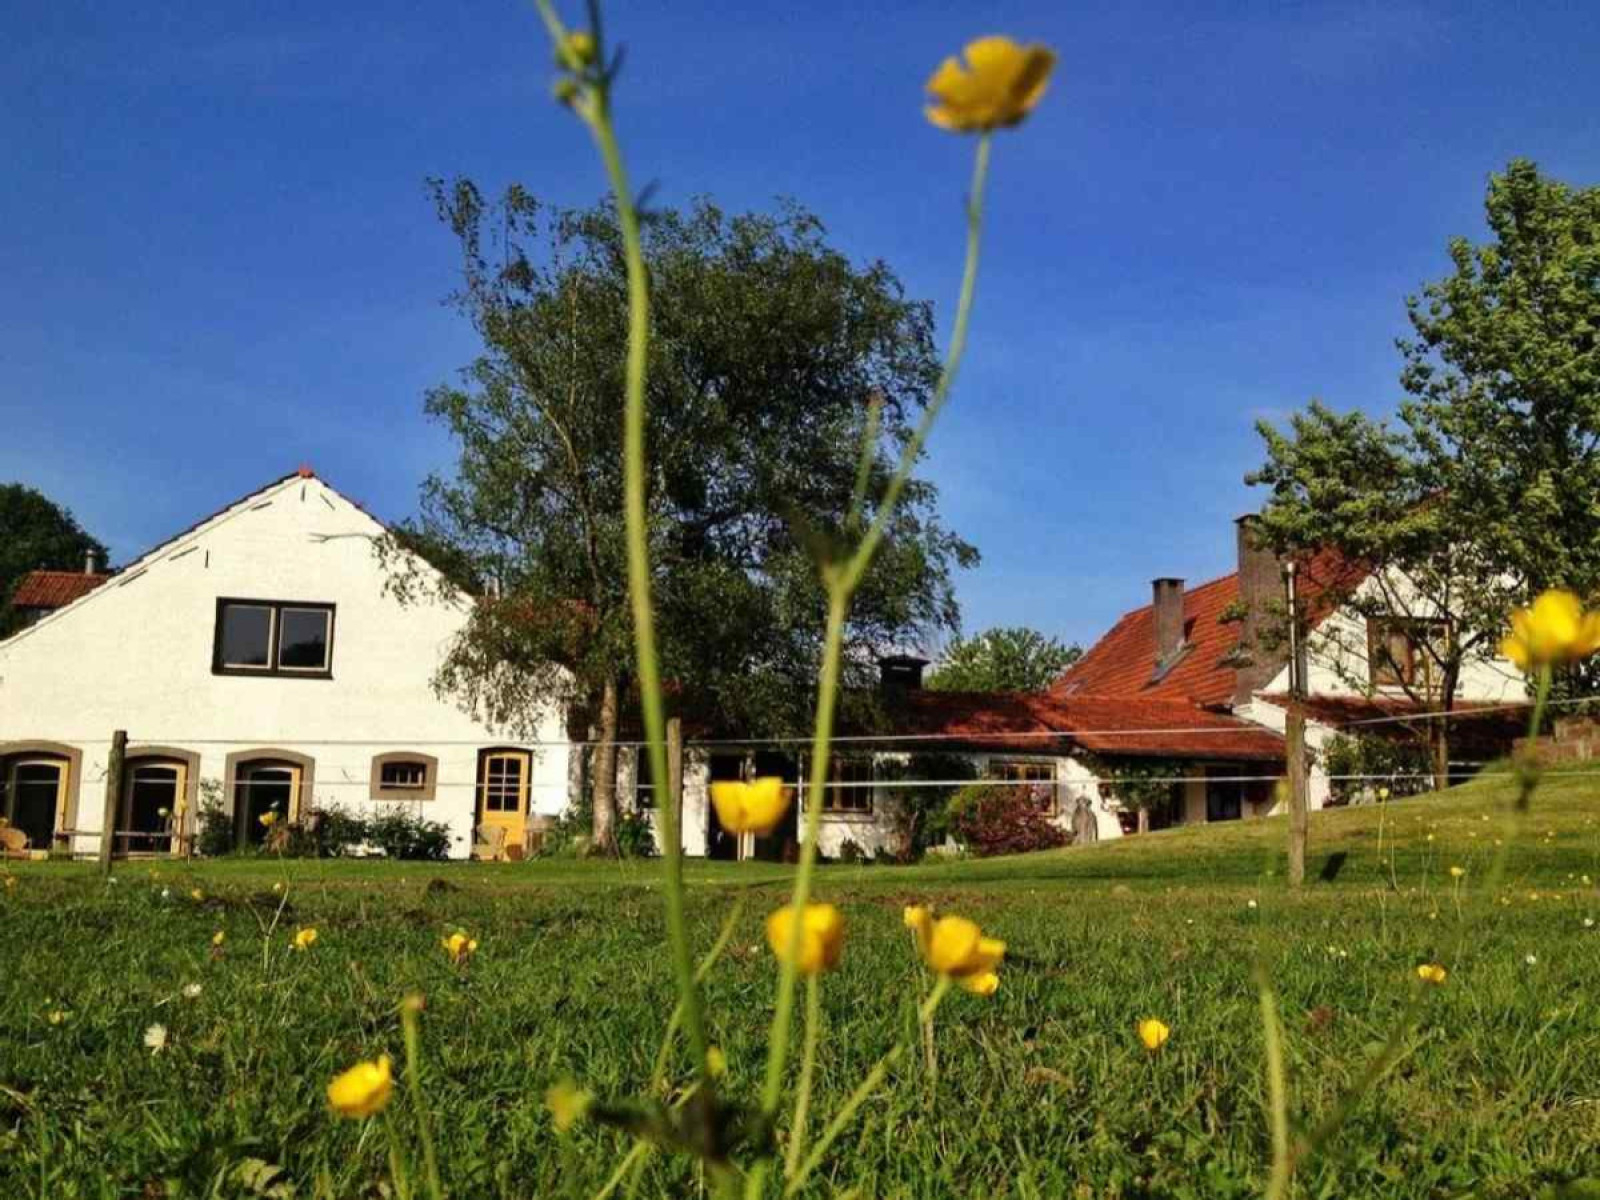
[1167, 604]
[901, 672]
[91, 563]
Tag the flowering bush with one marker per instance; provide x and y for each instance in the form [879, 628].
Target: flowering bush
[988, 820]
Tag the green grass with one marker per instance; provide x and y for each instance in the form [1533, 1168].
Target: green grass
[1043, 1090]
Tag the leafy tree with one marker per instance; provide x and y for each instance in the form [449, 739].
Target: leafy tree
[1002, 659]
[1483, 493]
[39, 535]
[1141, 786]
[774, 359]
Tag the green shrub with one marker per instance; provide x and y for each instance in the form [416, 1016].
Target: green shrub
[636, 836]
[214, 835]
[988, 820]
[1401, 766]
[400, 835]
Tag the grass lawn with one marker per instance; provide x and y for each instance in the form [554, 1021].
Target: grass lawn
[1043, 1089]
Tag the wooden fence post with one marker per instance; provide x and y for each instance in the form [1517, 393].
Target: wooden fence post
[108, 819]
[675, 773]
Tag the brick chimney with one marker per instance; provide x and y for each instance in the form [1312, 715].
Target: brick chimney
[900, 673]
[1167, 605]
[1261, 605]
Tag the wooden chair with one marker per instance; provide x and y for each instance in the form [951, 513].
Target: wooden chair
[13, 843]
[489, 842]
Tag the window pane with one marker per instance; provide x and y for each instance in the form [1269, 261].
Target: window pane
[403, 774]
[246, 636]
[304, 639]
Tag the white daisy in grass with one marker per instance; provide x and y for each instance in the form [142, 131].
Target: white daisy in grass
[155, 1038]
[1532, 960]
[191, 991]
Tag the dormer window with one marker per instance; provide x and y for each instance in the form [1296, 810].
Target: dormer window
[273, 637]
[1400, 651]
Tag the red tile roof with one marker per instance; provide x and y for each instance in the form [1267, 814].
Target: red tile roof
[54, 589]
[1117, 725]
[1478, 728]
[1123, 662]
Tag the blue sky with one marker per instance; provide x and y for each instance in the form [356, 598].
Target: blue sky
[219, 261]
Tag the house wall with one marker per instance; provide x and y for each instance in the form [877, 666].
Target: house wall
[1338, 664]
[136, 654]
[874, 832]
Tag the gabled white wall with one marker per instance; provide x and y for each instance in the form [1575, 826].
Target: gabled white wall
[136, 654]
[1337, 662]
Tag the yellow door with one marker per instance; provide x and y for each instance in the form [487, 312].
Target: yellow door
[503, 796]
[37, 788]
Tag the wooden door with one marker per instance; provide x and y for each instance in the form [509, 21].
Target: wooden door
[503, 793]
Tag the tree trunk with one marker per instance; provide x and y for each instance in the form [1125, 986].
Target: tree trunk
[1144, 820]
[1439, 731]
[1299, 817]
[605, 772]
[674, 777]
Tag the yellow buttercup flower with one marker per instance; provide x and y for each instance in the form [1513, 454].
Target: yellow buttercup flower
[1554, 629]
[1432, 973]
[955, 947]
[567, 1104]
[1153, 1033]
[304, 938]
[363, 1089]
[996, 87]
[269, 819]
[716, 1062]
[459, 947]
[821, 937]
[754, 807]
[218, 938]
[197, 895]
[1457, 872]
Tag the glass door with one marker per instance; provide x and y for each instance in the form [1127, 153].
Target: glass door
[38, 788]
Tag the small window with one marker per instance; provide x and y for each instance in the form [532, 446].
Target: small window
[272, 637]
[851, 780]
[1397, 650]
[246, 636]
[1021, 771]
[644, 792]
[403, 776]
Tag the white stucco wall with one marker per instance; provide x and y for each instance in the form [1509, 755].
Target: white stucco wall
[136, 654]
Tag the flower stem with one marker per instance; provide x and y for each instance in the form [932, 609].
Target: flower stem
[808, 1064]
[1277, 1090]
[596, 112]
[397, 1159]
[430, 1161]
[842, 580]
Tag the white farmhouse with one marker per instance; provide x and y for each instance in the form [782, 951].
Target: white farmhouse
[260, 651]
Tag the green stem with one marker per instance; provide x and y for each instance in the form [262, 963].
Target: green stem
[397, 1159]
[635, 487]
[857, 565]
[630, 1160]
[827, 695]
[859, 1097]
[808, 1065]
[1277, 1091]
[430, 1160]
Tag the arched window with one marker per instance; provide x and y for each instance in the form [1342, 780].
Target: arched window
[267, 781]
[39, 789]
[159, 784]
[404, 775]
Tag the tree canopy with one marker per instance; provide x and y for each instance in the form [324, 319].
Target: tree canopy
[1001, 659]
[1486, 489]
[769, 351]
[39, 535]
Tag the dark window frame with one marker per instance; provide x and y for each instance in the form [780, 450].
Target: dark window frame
[1382, 669]
[273, 669]
[854, 801]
